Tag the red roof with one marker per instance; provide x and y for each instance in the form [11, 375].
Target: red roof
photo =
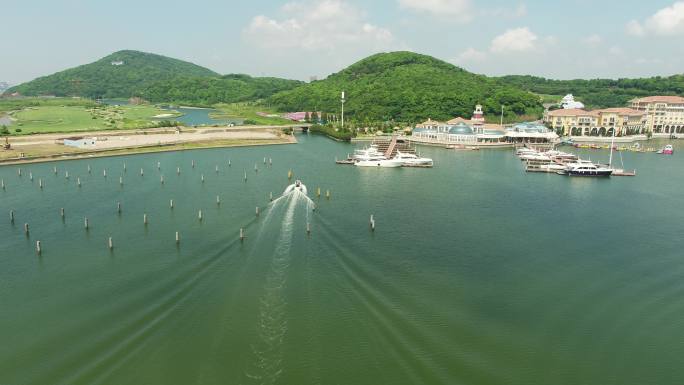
[661, 99]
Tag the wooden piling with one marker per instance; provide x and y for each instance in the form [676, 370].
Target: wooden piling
[54, 170]
[104, 173]
[318, 192]
[2, 182]
[193, 163]
[199, 215]
[177, 237]
[264, 160]
[245, 176]
[218, 200]
[271, 197]
[26, 228]
[145, 219]
[19, 171]
[124, 166]
[308, 228]
[85, 223]
[202, 178]
[38, 248]
[66, 175]
[78, 182]
[242, 234]
[89, 170]
[229, 163]
[110, 243]
[61, 212]
[257, 211]
[40, 183]
[142, 172]
[372, 223]
[11, 216]
[177, 170]
[327, 194]
[30, 176]
[158, 166]
[161, 179]
[217, 170]
[118, 207]
[171, 204]
[121, 180]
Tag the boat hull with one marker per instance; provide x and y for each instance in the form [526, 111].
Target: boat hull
[599, 173]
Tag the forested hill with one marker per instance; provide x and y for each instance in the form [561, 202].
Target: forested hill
[118, 75]
[407, 87]
[600, 93]
[205, 91]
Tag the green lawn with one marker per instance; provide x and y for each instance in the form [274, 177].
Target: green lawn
[248, 112]
[66, 118]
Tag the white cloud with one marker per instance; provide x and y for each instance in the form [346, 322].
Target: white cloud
[470, 55]
[514, 40]
[319, 25]
[668, 21]
[593, 40]
[455, 10]
[615, 50]
[505, 12]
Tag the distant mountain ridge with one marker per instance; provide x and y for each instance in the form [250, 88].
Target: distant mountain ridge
[4, 86]
[118, 75]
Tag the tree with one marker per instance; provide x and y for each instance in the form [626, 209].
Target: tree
[4, 130]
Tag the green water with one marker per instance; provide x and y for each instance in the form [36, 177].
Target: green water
[477, 273]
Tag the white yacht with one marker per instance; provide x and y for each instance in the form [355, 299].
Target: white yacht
[378, 162]
[370, 152]
[407, 159]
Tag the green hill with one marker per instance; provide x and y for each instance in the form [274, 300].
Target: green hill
[206, 91]
[600, 93]
[118, 75]
[408, 87]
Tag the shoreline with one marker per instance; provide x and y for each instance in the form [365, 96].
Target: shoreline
[142, 150]
[49, 147]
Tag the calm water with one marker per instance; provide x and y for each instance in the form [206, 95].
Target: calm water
[477, 273]
[190, 117]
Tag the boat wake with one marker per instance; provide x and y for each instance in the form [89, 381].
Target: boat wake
[267, 364]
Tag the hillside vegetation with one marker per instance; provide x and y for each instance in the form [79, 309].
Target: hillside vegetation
[205, 91]
[102, 79]
[407, 87]
[600, 93]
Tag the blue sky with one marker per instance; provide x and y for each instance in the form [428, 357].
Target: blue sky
[303, 38]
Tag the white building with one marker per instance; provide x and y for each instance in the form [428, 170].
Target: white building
[568, 103]
[79, 142]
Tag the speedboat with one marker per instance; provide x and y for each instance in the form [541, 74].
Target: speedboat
[297, 186]
[379, 162]
[587, 169]
[407, 159]
[536, 157]
[667, 150]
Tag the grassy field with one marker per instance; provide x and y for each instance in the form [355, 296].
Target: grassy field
[32, 116]
[248, 112]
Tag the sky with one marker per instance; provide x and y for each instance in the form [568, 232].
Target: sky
[300, 39]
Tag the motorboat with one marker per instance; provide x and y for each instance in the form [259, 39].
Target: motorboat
[297, 186]
[587, 169]
[368, 153]
[667, 150]
[536, 157]
[412, 159]
[378, 162]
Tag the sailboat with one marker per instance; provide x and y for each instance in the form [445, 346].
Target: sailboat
[618, 171]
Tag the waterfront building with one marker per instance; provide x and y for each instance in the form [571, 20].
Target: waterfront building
[476, 133]
[579, 122]
[664, 114]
